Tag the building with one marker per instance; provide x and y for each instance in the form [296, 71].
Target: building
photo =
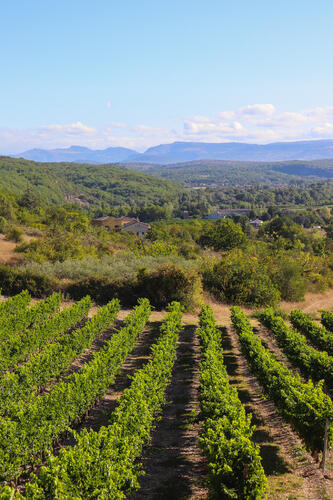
[215, 215]
[256, 223]
[137, 227]
[113, 222]
[228, 212]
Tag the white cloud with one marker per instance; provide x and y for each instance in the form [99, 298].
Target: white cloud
[261, 123]
[108, 104]
[258, 109]
[77, 128]
[256, 123]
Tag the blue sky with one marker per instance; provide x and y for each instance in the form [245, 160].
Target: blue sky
[138, 73]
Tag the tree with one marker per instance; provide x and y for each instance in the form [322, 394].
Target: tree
[224, 235]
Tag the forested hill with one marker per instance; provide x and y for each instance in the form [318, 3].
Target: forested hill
[98, 187]
[239, 173]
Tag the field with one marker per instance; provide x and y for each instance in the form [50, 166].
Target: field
[89, 409]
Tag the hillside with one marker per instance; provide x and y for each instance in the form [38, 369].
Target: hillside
[99, 187]
[189, 151]
[230, 173]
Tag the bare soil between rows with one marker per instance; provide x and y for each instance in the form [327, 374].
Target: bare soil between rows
[173, 464]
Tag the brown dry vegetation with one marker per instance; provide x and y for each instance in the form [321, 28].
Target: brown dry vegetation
[7, 250]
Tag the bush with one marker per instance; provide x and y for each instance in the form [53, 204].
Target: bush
[3, 225]
[13, 281]
[239, 281]
[288, 279]
[223, 235]
[161, 286]
[14, 234]
[170, 283]
[102, 289]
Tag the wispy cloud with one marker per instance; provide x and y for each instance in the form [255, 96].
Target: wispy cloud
[259, 123]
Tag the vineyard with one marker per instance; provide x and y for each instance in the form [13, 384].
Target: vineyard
[96, 403]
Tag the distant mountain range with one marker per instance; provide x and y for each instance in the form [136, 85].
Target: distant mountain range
[189, 151]
[78, 154]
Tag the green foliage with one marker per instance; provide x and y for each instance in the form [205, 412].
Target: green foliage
[170, 283]
[306, 406]
[313, 363]
[12, 281]
[103, 464]
[100, 187]
[287, 276]
[234, 462]
[161, 286]
[7, 206]
[327, 320]
[34, 426]
[223, 235]
[20, 345]
[19, 321]
[318, 335]
[3, 224]
[239, 280]
[14, 233]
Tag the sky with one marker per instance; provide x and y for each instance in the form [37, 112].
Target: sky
[139, 73]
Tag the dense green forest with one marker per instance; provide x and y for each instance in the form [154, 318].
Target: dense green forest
[110, 189]
[204, 173]
[97, 187]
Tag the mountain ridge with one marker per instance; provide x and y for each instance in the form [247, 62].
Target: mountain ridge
[189, 151]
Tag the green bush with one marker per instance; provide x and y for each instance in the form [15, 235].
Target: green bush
[13, 281]
[14, 234]
[223, 235]
[288, 279]
[103, 289]
[170, 283]
[3, 225]
[161, 286]
[237, 280]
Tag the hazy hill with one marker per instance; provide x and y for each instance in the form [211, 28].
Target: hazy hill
[78, 154]
[190, 151]
[231, 173]
[236, 151]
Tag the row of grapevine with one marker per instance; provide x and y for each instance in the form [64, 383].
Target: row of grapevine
[313, 363]
[14, 304]
[318, 335]
[20, 346]
[234, 463]
[56, 358]
[102, 464]
[34, 425]
[23, 318]
[327, 320]
[306, 406]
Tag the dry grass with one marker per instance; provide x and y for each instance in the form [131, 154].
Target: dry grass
[312, 304]
[7, 250]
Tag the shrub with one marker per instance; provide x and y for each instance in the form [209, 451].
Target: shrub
[161, 286]
[13, 281]
[14, 234]
[170, 283]
[102, 289]
[288, 279]
[239, 281]
[3, 225]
